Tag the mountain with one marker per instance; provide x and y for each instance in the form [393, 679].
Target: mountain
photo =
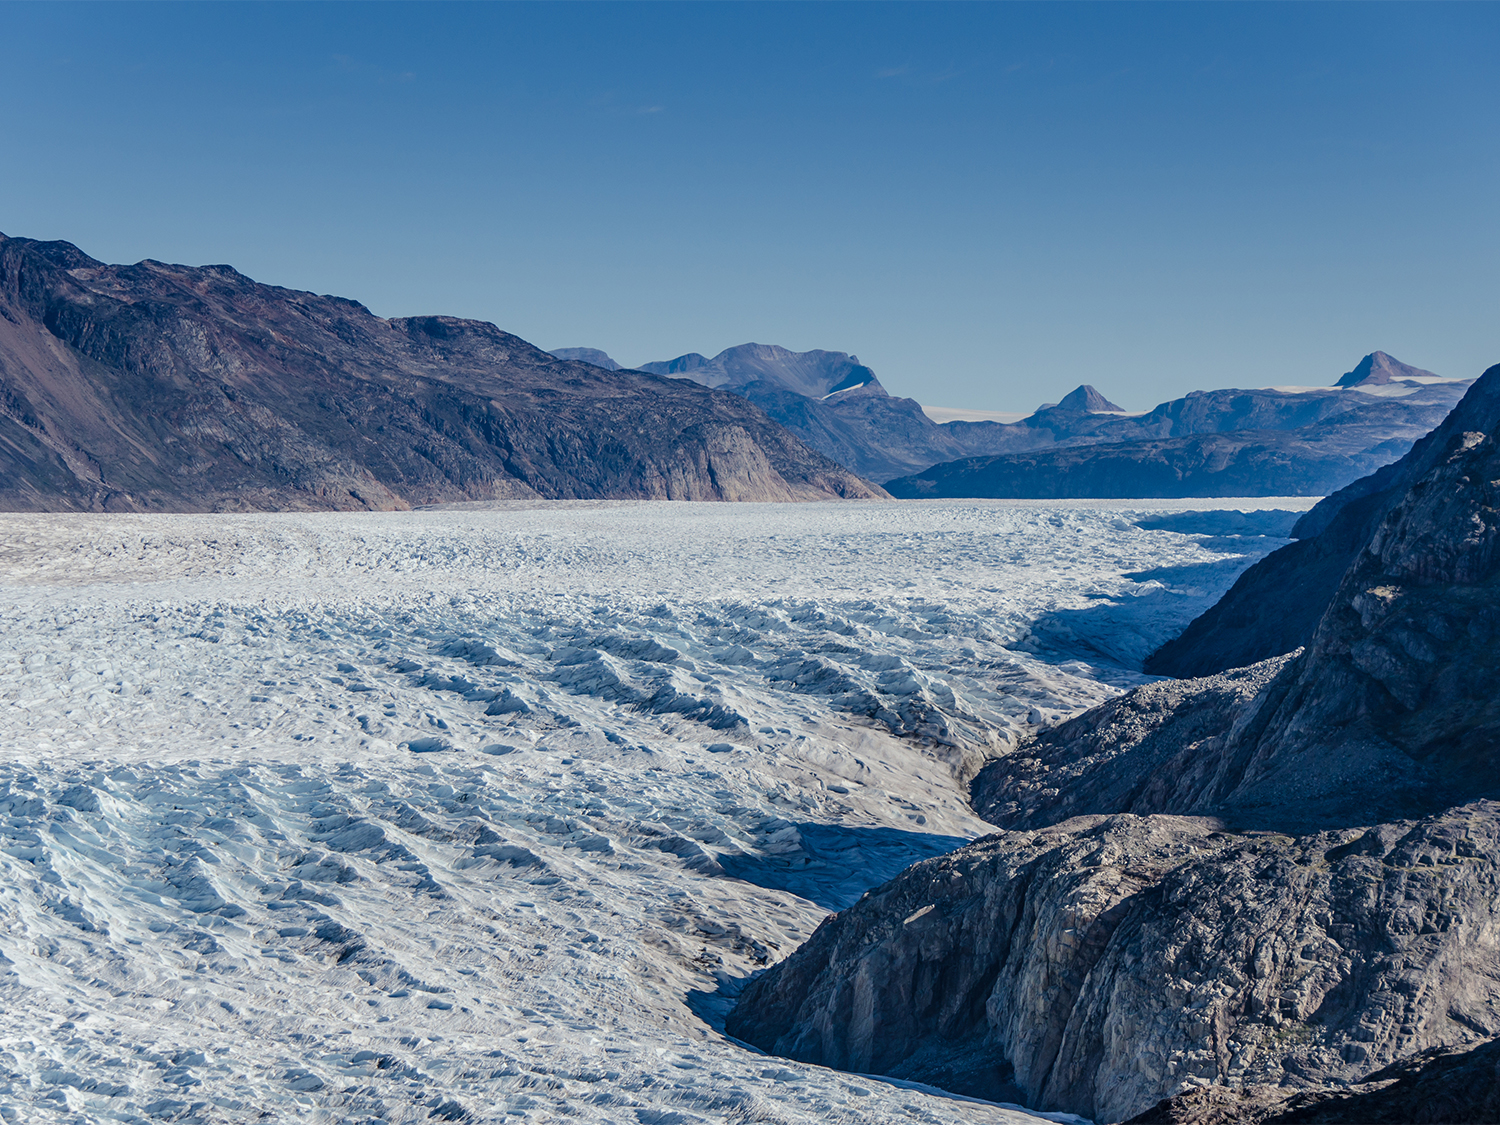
[1297, 441]
[1301, 578]
[159, 387]
[1277, 878]
[1378, 369]
[1088, 401]
[834, 403]
[1208, 443]
[1245, 463]
[816, 374]
[1103, 964]
[1304, 441]
[586, 355]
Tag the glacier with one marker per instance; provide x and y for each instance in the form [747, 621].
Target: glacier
[486, 813]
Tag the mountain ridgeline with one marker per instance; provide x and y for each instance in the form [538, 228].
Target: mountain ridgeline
[1268, 894]
[1300, 579]
[1266, 442]
[158, 387]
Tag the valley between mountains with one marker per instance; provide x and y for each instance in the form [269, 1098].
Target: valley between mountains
[583, 793]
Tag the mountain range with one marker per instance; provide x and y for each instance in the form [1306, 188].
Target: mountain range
[1273, 441]
[157, 387]
[1262, 895]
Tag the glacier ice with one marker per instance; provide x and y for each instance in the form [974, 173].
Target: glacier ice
[484, 814]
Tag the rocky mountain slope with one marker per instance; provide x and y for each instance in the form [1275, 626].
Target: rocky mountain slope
[1087, 400]
[156, 387]
[1100, 965]
[1301, 578]
[828, 399]
[1284, 876]
[1439, 1086]
[1243, 463]
[837, 405]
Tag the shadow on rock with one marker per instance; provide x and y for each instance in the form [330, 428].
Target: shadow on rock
[833, 865]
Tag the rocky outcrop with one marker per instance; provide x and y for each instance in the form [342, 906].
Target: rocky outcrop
[1440, 1086]
[1286, 875]
[156, 387]
[1300, 579]
[1101, 964]
[1161, 747]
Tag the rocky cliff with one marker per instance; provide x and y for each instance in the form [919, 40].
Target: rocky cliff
[156, 387]
[1285, 876]
[1102, 964]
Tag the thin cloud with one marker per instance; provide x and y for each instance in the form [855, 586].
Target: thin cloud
[610, 104]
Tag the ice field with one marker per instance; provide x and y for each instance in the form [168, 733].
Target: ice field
[484, 814]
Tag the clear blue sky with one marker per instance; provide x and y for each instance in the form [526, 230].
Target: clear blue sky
[988, 203]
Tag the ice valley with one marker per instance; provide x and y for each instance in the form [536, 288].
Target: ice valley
[485, 814]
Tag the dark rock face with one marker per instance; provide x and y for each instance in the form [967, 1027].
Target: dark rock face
[1440, 1086]
[1300, 580]
[1284, 876]
[1161, 747]
[1104, 963]
[1390, 711]
[168, 388]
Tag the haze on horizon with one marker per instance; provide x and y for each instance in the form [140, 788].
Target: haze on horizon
[988, 204]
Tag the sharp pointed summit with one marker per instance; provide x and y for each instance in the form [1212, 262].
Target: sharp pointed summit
[1086, 399]
[1377, 369]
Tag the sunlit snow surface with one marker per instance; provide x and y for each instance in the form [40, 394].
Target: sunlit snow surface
[407, 817]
